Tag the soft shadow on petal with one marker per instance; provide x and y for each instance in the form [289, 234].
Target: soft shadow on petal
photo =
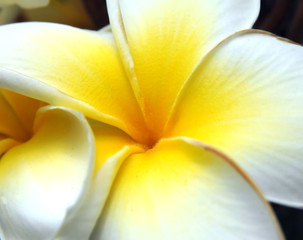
[10, 124]
[44, 180]
[109, 140]
[183, 189]
[6, 144]
[161, 41]
[23, 108]
[246, 99]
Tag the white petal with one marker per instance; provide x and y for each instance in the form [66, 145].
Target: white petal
[183, 189]
[161, 41]
[246, 99]
[82, 222]
[66, 66]
[44, 180]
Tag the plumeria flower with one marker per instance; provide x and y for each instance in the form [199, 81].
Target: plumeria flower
[193, 123]
[9, 9]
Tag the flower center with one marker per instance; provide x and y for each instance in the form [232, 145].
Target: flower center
[17, 118]
[150, 144]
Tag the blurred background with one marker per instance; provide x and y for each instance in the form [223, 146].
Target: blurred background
[281, 17]
[285, 18]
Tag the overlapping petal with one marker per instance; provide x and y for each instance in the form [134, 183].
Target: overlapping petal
[7, 143]
[180, 188]
[112, 146]
[73, 68]
[246, 98]
[161, 41]
[183, 189]
[109, 140]
[23, 108]
[43, 181]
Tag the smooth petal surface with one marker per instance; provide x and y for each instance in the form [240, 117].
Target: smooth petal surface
[112, 147]
[43, 181]
[246, 99]
[85, 218]
[161, 41]
[109, 140]
[6, 144]
[183, 189]
[70, 67]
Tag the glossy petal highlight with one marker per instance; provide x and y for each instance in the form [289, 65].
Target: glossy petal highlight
[246, 99]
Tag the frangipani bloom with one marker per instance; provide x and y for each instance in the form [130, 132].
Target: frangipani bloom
[185, 118]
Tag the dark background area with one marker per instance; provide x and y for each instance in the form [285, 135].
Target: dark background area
[281, 17]
[285, 18]
[291, 221]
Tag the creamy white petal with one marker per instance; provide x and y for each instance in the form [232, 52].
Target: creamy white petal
[161, 41]
[183, 189]
[70, 67]
[112, 147]
[82, 222]
[246, 99]
[44, 180]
